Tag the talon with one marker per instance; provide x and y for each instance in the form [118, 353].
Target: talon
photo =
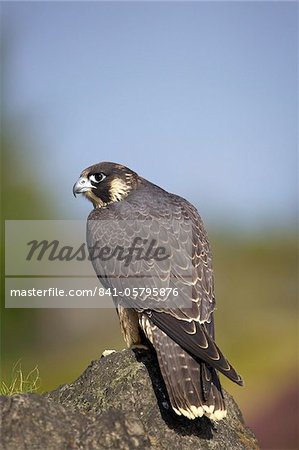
[139, 347]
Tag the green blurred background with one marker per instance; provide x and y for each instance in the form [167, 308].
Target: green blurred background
[256, 318]
[45, 101]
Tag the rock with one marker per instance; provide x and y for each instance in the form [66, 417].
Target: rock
[33, 422]
[119, 402]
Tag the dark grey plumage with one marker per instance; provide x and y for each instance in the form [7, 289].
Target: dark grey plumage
[180, 328]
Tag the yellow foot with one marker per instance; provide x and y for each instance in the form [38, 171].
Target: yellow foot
[106, 353]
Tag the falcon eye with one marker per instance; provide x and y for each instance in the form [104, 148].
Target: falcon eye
[97, 177]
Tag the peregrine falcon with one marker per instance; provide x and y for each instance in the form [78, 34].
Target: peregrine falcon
[165, 298]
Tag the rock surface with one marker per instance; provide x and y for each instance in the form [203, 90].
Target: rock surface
[119, 402]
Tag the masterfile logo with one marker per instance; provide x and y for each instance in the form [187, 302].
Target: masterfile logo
[49, 264]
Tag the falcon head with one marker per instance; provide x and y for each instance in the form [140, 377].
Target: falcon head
[105, 183]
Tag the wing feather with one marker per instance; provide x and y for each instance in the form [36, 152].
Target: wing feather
[174, 224]
[187, 319]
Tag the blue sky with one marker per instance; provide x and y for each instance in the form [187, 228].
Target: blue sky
[200, 98]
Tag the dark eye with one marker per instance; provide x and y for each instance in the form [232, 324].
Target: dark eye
[97, 177]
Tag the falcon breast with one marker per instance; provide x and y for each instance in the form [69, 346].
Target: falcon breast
[165, 293]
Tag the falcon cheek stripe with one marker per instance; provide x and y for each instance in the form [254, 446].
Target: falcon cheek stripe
[118, 190]
[127, 206]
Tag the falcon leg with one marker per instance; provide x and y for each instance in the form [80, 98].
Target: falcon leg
[129, 324]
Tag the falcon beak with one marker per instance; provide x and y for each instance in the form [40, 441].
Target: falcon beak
[82, 185]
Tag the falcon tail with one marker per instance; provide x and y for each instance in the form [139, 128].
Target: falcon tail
[193, 387]
[197, 343]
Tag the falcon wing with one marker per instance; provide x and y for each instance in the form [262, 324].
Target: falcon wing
[181, 328]
[174, 227]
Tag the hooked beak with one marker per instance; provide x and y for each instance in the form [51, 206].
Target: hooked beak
[82, 185]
